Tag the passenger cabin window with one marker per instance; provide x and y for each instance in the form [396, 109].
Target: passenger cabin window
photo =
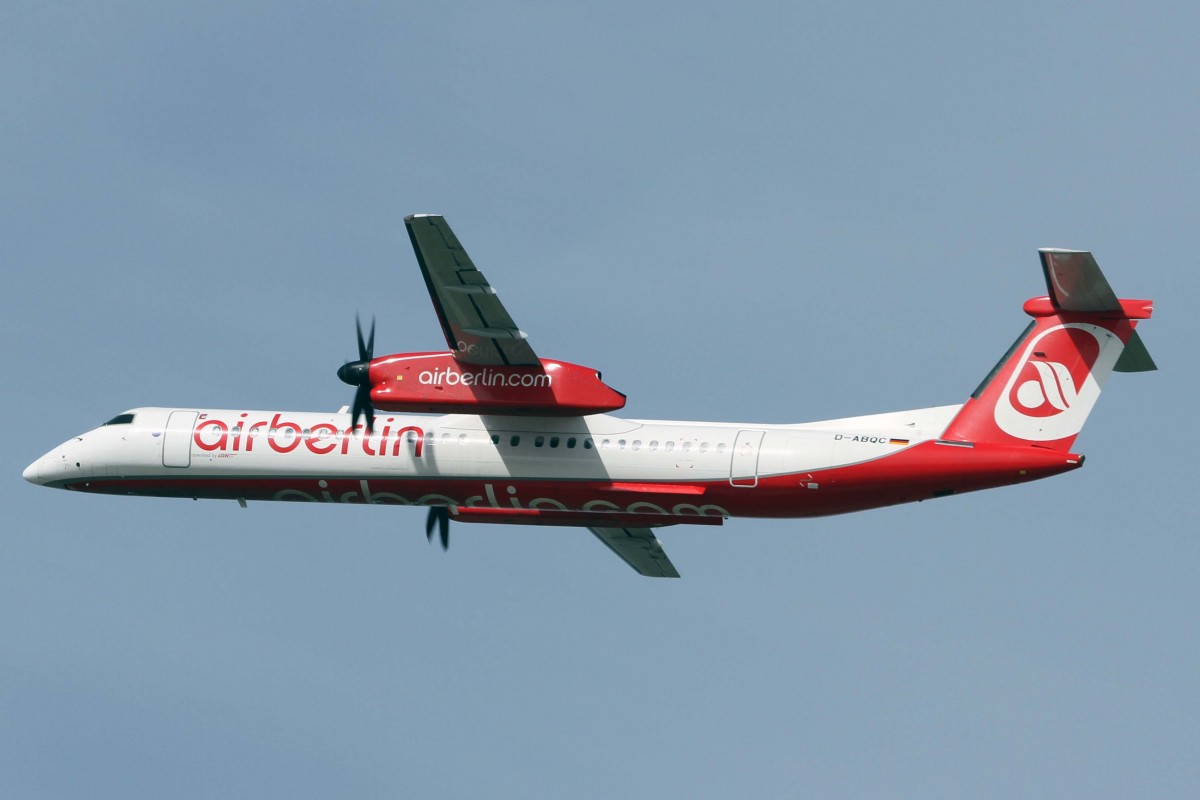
[495, 438]
[587, 444]
[538, 441]
[120, 419]
[554, 441]
[571, 443]
[514, 441]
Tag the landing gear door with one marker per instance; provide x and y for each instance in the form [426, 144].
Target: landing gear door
[177, 439]
[743, 467]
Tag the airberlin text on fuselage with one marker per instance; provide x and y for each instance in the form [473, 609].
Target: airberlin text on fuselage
[320, 439]
[489, 499]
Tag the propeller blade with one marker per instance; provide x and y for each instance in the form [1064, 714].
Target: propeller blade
[358, 373]
[362, 345]
[362, 406]
[439, 516]
[366, 351]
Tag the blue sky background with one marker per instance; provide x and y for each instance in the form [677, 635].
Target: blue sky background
[764, 212]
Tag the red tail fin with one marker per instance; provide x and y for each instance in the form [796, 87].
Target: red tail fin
[1044, 387]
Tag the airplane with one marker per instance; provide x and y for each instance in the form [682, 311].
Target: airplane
[490, 432]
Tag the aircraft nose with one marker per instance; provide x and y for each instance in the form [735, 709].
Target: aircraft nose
[62, 465]
[31, 472]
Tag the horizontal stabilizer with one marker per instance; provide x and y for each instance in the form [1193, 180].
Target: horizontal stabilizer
[1076, 283]
[1135, 357]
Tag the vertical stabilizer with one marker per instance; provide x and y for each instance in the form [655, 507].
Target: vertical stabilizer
[1044, 387]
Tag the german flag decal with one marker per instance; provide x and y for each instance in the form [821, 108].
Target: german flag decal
[901, 442]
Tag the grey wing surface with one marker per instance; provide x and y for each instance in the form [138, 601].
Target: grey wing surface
[477, 327]
[640, 549]
[1075, 281]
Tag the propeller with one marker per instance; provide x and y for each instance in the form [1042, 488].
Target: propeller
[357, 373]
[439, 516]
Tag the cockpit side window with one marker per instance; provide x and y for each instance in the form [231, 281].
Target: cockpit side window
[120, 419]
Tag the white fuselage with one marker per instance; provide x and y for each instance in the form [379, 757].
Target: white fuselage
[471, 460]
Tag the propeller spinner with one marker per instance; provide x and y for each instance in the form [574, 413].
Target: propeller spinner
[357, 373]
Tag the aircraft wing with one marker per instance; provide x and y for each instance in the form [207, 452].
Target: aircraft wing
[639, 548]
[477, 327]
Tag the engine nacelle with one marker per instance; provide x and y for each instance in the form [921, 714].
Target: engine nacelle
[438, 383]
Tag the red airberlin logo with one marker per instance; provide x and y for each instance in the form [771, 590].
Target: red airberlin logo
[284, 436]
[1049, 381]
[1055, 383]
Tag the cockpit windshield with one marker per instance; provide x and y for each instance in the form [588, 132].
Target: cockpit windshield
[120, 419]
